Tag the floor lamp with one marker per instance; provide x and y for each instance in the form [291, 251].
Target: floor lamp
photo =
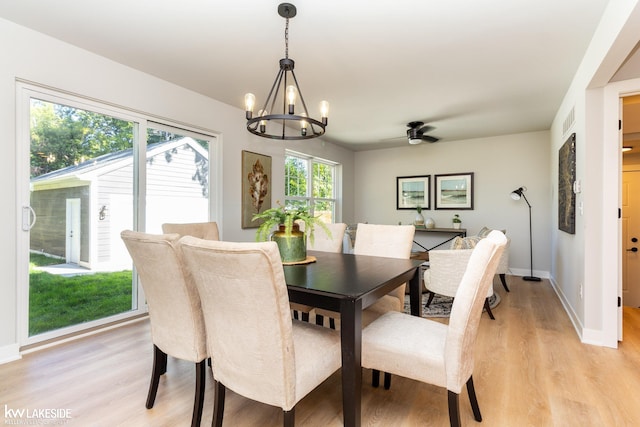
[516, 195]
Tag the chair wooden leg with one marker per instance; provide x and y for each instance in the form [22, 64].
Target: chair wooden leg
[431, 295]
[198, 400]
[159, 368]
[289, 417]
[503, 279]
[488, 308]
[474, 401]
[387, 380]
[375, 378]
[454, 409]
[218, 406]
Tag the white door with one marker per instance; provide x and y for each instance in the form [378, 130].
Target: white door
[72, 241]
[631, 238]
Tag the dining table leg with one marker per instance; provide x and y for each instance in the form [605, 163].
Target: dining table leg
[351, 341]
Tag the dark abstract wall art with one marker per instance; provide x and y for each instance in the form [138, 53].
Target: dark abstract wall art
[566, 178]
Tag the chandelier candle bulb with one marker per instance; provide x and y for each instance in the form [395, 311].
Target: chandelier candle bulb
[324, 112]
[303, 125]
[249, 103]
[291, 97]
[263, 123]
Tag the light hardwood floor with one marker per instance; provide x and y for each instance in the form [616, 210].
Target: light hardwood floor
[531, 370]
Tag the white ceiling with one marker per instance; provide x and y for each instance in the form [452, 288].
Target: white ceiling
[470, 68]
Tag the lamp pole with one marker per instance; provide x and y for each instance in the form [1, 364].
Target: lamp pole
[531, 277]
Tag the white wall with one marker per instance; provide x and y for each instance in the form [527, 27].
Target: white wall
[590, 258]
[35, 57]
[500, 165]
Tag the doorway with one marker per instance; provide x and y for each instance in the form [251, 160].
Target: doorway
[630, 245]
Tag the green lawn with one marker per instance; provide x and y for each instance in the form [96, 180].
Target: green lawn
[56, 301]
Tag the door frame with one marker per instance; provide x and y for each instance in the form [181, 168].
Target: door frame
[612, 199]
[24, 92]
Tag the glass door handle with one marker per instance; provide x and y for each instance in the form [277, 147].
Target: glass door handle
[28, 218]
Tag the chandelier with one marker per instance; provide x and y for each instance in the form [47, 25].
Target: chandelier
[278, 120]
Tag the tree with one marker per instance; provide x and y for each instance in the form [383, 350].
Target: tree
[64, 136]
[296, 176]
[296, 185]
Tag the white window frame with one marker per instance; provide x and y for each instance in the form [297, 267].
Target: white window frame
[25, 91]
[309, 198]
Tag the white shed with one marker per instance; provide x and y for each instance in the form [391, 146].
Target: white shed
[81, 210]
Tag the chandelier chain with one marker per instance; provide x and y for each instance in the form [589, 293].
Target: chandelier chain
[286, 40]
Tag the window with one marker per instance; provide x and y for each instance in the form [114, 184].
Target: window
[311, 181]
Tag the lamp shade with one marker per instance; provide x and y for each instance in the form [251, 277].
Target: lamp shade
[517, 193]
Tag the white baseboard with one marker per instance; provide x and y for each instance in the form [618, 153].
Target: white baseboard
[573, 316]
[525, 272]
[9, 353]
[586, 335]
[593, 337]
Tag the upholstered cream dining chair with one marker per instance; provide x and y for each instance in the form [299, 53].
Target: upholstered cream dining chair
[503, 265]
[322, 242]
[446, 268]
[470, 241]
[201, 230]
[175, 314]
[264, 354]
[328, 242]
[392, 241]
[433, 352]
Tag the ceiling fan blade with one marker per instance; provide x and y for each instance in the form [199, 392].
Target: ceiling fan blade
[430, 138]
[426, 128]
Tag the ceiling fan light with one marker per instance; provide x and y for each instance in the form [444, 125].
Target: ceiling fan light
[415, 141]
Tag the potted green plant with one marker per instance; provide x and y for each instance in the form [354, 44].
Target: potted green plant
[456, 221]
[285, 221]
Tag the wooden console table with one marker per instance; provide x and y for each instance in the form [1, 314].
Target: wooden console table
[462, 232]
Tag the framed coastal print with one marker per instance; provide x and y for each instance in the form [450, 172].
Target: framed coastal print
[256, 186]
[413, 191]
[454, 191]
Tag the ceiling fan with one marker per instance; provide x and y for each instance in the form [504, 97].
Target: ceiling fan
[416, 133]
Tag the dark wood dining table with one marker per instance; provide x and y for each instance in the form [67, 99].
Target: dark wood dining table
[347, 284]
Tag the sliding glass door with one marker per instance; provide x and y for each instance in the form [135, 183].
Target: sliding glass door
[177, 176]
[92, 171]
